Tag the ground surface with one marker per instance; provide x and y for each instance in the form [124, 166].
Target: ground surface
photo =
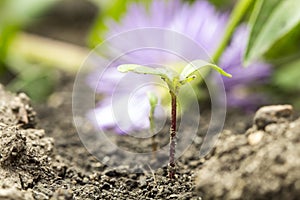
[42, 157]
[262, 162]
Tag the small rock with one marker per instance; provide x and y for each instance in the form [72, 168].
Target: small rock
[39, 195]
[198, 140]
[255, 138]
[85, 180]
[194, 163]
[272, 114]
[174, 196]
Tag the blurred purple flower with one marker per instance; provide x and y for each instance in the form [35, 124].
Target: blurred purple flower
[254, 74]
[200, 22]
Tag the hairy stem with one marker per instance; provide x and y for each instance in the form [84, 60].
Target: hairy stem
[173, 138]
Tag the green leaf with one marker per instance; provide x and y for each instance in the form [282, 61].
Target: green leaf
[271, 21]
[162, 72]
[169, 76]
[108, 9]
[236, 16]
[285, 49]
[7, 35]
[198, 64]
[172, 78]
[261, 13]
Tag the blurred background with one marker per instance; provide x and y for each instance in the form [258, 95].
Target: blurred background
[43, 41]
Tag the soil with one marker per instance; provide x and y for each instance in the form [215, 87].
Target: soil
[43, 158]
[262, 163]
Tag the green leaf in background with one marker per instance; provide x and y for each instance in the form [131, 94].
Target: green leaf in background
[287, 77]
[261, 13]
[15, 14]
[286, 49]
[223, 5]
[271, 21]
[6, 36]
[36, 81]
[239, 11]
[108, 9]
[286, 82]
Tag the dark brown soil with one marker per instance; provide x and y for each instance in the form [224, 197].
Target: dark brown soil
[258, 163]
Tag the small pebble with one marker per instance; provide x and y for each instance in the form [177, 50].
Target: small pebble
[85, 180]
[255, 138]
[272, 114]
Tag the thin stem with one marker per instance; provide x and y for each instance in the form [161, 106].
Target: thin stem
[173, 138]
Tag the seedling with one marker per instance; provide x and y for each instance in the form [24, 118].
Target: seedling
[153, 100]
[174, 81]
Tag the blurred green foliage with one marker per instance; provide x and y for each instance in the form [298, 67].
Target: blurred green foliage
[270, 22]
[285, 85]
[109, 9]
[236, 16]
[274, 35]
[15, 15]
[286, 49]
[225, 4]
[36, 81]
[287, 77]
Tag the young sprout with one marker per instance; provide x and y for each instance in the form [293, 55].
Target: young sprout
[174, 82]
[153, 100]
